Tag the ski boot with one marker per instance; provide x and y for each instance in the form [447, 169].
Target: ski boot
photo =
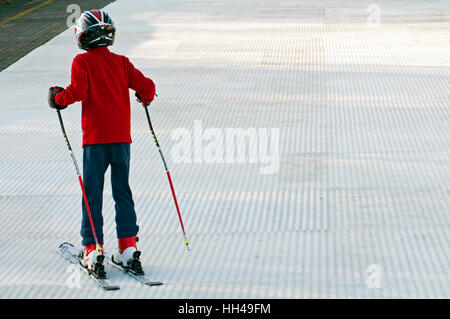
[93, 260]
[127, 255]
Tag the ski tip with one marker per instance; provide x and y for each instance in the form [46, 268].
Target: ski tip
[65, 244]
[153, 283]
[111, 288]
[108, 287]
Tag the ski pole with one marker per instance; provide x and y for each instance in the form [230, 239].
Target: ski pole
[98, 247]
[186, 242]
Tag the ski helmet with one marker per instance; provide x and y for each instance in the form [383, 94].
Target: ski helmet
[93, 29]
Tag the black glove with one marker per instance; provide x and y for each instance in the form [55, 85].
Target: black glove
[138, 98]
[51, 97]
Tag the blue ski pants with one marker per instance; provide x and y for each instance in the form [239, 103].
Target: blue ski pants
[96, 160]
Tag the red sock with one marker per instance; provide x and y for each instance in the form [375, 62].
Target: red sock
[124, 243]
[89, 248]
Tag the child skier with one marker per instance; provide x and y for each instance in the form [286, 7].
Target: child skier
[101, 81]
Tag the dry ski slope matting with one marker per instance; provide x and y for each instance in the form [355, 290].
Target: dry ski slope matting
[357, 96]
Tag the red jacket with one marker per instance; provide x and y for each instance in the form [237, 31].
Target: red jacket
[101, 80]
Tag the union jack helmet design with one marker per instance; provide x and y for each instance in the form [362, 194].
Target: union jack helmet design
[94, 28]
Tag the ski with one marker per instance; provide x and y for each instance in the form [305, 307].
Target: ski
[72, 254]
[142, 278]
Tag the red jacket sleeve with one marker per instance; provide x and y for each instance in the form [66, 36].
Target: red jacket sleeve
[78, 88]
[144, 86]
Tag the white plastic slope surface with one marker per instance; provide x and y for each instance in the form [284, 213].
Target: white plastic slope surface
[359, 207]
